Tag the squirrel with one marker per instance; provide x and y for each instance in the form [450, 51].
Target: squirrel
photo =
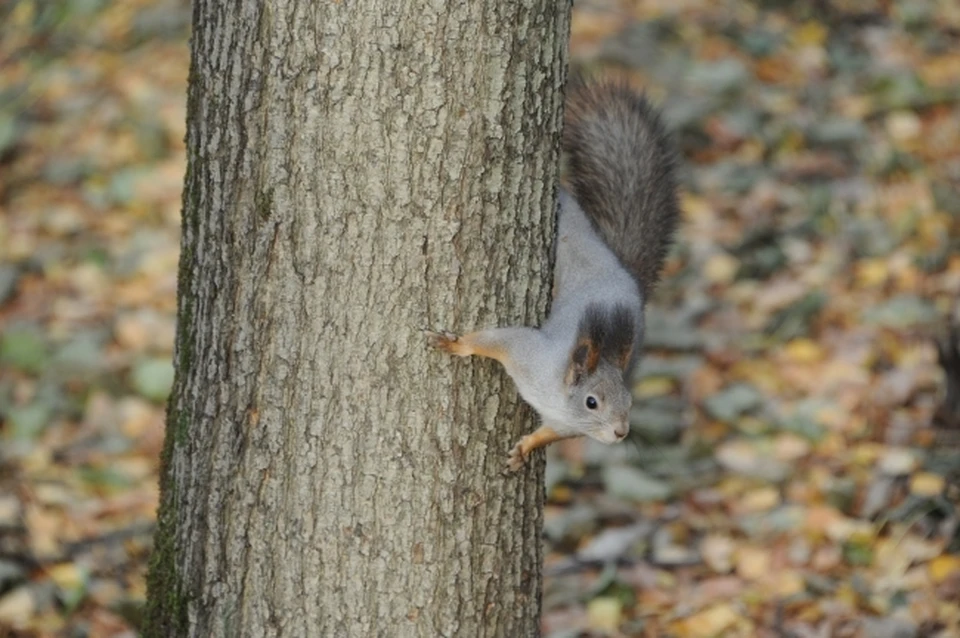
[614, 229]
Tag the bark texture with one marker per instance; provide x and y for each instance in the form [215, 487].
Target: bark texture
[358, 170]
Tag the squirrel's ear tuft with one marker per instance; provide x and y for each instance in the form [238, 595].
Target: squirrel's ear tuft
[618, 342]
[583, 361]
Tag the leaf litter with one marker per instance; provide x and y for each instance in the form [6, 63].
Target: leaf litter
[794, 468]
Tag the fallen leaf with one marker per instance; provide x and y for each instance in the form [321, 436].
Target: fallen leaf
[17, 606]
[897, 462]
[750, 459]
[759, 500]
[153, 378]
[632, 483]
[717, 552]
[752, 563]
[804, 351]
[789, 447]
[721, 268]
[943, 567]
[605, 613]
[712, 621]
[786, 582]
[926, 484]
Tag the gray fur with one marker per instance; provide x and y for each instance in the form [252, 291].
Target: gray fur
[622, 169]
[587, 275]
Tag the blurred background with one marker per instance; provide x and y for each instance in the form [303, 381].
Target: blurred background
[794, 466]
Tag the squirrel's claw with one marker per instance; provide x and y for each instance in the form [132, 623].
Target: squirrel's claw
[516, 459]
[442, 340]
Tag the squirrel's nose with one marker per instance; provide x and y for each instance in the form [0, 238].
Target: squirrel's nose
[622, 430]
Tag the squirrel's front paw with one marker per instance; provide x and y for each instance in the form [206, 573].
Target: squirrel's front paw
[446, 341]
[516, 460]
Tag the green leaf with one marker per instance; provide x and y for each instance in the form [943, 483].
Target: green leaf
[901, 312]
[153, 378]
[858, 554]
[633, 484]
[27, 422]
[105, 477]
[24, 349]
[733, 402]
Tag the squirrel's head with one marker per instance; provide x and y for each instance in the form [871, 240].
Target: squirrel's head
[598, 396]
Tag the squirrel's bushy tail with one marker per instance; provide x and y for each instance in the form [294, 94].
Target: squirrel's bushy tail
[621, 169]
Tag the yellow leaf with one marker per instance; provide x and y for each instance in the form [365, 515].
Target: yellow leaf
[654, 387]
[943, 71]
[712, 621]
[721, 268]
[561, 494]
[903, 126]
[753, 562]
[811, 33]
[696, 208]
[949, 613]
[760, 500]
[793, 141]
[845, 529]
[749, 424]
[787, 583]
[803, 351]
[604, 613]
[846, 594]
[820, 517]
[872, 273]
[832, 444]
[138, 417]
[17, 607]
[45, 528]
[826, 558]
[67, 576]
[926, 484]
[943, 567]
[789, 447]
[865, 454]
[750, 151]
[717, 552]
[665, 579]
[855, 106]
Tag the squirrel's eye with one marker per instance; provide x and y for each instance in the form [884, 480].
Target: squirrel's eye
[591, 403]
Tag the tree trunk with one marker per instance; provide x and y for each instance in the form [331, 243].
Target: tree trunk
[358, 170]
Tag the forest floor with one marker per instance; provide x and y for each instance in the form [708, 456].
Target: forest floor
[791, 472]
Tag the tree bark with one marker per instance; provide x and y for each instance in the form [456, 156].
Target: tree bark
[358, 170]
